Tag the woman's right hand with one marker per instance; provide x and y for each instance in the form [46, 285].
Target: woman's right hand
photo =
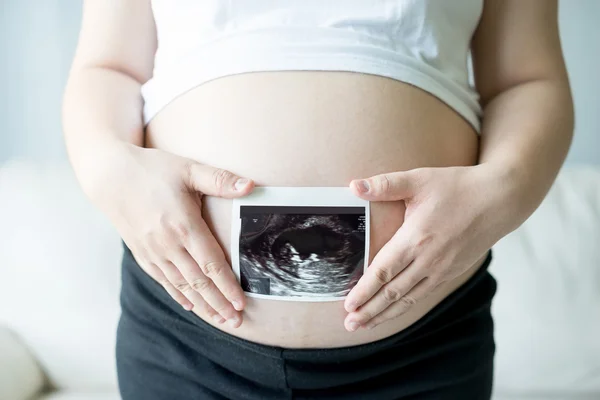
[154, 200]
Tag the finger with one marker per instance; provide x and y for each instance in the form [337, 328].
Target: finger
[197, 281]
[209, 256]
[414, 296]
[178, 281]
[391, 259]
[386, 187]
[198, 302]
[155, 272]
[196, 254]
[216, 181]
[394, 291]
[194, 300]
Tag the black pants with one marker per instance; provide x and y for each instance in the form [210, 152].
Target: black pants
[166, 353]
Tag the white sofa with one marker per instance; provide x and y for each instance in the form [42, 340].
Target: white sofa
[59, 285]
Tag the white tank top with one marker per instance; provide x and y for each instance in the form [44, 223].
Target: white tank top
[424, 43]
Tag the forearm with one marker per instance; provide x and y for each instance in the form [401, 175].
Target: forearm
[526, 134]
[102, 110]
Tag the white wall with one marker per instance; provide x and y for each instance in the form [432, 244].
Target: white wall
[37, 42]
[580, 33]
[38, 37]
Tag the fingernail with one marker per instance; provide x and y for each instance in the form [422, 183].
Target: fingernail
[187, 307]
[233, 321]
[237, 305]
[351, 306]
[218, 319]
[353, 326]
[241, 183]
[362, 186]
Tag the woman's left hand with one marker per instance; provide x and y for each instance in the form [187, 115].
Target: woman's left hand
[453, 217]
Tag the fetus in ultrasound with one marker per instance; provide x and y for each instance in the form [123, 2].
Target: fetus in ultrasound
[304, 255]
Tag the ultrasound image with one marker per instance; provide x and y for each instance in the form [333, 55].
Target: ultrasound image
[301, 251]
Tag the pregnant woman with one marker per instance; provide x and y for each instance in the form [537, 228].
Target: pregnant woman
[174, 108]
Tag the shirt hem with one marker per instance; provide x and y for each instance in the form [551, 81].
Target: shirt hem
[192, 76]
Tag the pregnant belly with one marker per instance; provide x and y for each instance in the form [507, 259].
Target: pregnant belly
[314, 129]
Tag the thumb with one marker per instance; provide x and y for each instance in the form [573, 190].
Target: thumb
[216, 181]
[385, 187]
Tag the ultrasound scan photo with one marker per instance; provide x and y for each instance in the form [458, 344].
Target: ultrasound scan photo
[295, 251]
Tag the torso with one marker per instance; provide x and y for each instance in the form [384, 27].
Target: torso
[314, 129]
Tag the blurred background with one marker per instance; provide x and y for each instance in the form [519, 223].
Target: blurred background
[59, 257]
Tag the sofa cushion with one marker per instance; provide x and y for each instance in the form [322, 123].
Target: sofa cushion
[547, 308]
[60, 274]
[20, 376]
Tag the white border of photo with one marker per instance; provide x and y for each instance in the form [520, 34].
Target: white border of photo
[295, 196]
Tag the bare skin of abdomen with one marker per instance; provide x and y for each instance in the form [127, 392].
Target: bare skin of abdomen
[314, 129]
